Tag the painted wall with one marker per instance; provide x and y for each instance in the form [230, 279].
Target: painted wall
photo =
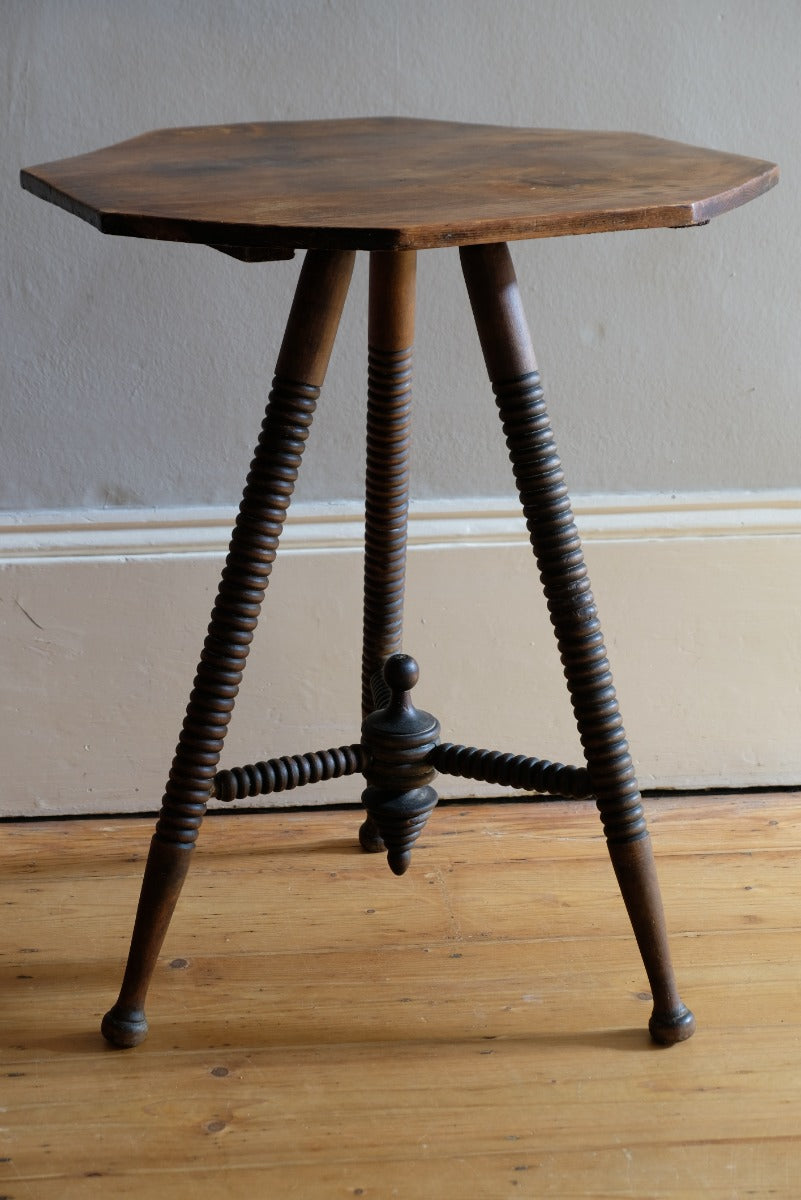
[133, 378]
[134, 374]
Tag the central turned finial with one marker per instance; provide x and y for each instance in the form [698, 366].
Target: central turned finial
[401, 673]
[397, 741]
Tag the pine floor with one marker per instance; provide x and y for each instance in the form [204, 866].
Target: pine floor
[473, 1030]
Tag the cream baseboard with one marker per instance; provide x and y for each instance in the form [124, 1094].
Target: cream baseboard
[102, 614]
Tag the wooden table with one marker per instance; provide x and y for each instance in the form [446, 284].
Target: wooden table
[393, 186]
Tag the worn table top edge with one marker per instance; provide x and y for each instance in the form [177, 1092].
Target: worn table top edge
[351, 233]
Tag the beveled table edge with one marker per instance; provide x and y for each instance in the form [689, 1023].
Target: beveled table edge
[258, 242]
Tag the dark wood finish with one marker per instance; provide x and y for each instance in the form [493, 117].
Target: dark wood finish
[390, 337]
[390, 340]
[300, 371]
[287, 773]
[250, 254]
[512, 368]
[391, 186]
[397, 742]
[512, 770]
[291, 771]
[392, 183]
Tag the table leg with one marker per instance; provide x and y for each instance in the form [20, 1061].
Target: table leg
[389, 378]
[512, 369]
[302, 362]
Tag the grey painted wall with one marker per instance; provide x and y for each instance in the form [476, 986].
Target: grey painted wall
[135, 374]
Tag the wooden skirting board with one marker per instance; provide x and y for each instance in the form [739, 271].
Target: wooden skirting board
[102, 614]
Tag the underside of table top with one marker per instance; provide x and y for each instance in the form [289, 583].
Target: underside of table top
[391, 183]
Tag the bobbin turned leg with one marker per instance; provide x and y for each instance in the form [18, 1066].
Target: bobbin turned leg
[389, 375]
[512, 369]
[300, 370]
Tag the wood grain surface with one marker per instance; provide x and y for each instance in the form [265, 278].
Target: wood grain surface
[323, 1029]
[391, 183]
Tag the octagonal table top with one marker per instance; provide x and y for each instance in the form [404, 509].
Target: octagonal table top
[391, 183]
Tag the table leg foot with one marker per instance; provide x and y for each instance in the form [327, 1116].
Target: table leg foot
[669, 1028]
[370, 839]
[124, 1027]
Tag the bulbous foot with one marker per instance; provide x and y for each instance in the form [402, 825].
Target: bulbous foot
[124, 1027]
[669, 1028]
[370, 839]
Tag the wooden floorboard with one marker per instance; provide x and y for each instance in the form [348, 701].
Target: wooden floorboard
[473, 1030]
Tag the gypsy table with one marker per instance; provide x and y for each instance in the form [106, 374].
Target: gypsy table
[393, 186]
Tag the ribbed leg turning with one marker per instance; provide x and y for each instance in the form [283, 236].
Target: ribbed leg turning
[312, 325]
[512, 369]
